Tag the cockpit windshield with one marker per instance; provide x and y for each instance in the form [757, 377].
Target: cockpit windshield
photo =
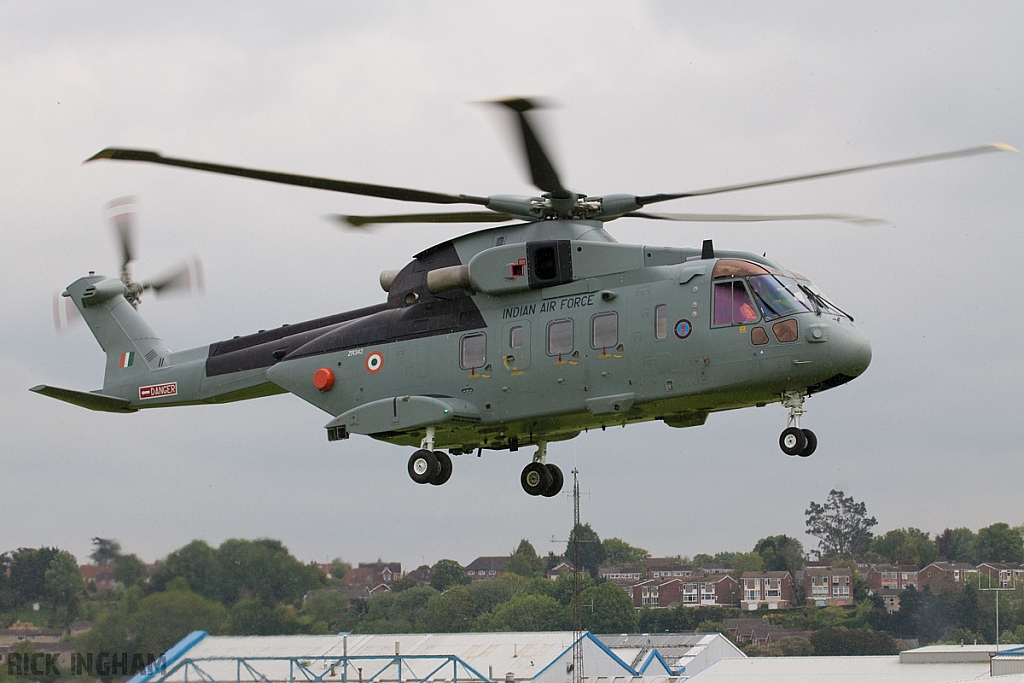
[779, 295]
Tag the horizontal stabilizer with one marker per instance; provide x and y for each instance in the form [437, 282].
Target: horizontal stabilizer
[85, 399]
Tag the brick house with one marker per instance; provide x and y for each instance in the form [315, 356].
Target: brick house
[827, 586]
[759, 632]
[622, 574]
[558, 570]
[374, 574]
[773, 590]
[667, 568]
[888, 580]
[938, 573]
[1000, 574]
[704, 590]
[487, 567]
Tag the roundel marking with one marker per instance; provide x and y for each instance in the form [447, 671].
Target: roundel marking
[683, 329]
[374, 362]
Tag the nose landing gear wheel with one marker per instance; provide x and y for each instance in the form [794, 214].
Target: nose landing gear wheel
[793, 441]
[444, 468]
[536, 478]
[422, 466]
[556, 482]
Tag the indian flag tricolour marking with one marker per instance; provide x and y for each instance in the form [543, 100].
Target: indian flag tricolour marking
[126, 359]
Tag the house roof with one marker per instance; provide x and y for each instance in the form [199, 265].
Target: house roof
[488, 564]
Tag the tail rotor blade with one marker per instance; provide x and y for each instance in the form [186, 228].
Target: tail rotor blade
[185, 278]
[64, 313]
[122, 212]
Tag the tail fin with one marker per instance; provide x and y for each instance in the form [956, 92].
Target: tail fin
[131, 345]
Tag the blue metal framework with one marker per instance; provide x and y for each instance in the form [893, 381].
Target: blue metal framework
[304, 669]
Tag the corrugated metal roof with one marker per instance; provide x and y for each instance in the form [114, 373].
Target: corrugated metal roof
[872, 669]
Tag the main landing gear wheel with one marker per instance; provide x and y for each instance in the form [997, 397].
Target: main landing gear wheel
[556, 481]
[444, 468]
[423, 466]
[536, 478]
[812, 443]
[792, 441]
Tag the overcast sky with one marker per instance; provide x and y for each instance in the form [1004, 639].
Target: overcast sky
[652, 97]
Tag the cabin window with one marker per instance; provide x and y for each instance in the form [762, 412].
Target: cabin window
[473, 351]
[660, 321]
[604, 330]
[515, 337]
[733, 305]
[779, 296]
[559, 337]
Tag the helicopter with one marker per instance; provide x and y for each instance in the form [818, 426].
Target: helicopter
[521, 334]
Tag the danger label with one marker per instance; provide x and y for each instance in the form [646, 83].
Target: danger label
[158, 390]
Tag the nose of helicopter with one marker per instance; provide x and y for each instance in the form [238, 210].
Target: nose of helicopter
[850, 349]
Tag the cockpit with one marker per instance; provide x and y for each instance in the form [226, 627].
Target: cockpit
[746, 292]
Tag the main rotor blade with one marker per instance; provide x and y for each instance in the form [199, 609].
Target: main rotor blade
[367, 189]
[453, 217]
[984, 149]
[542, 171]
[753, 218]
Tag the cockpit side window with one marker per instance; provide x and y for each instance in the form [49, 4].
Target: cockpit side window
[779, 295]
[733, 304]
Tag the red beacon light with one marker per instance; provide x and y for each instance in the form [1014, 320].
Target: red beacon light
[323, 379]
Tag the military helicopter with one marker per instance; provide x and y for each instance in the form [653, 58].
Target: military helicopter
[523, 333]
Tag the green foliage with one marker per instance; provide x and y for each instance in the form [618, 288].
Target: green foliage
[530, 613]
[489, 594]
[525, 561]
[606, 608]
[448, 573]
[906, 546]
[105, 550]
[591, 552]
[129, 570]
[27, 578]
[835, 641]
[328, 606]
[339, 568]
[453, 611]
[781, 554]
[239, 569]
[842, 525]
[790, 646]
[617, 551]
[64, 587]
[999, 543]
[957, 545]
[747, 562]
[153, 623]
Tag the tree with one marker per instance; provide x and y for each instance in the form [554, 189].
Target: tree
[105, 550]
[833, 640]
[525, 561]
[906, 546]
[781, 553]
[957, 545]
[999, 543]
[591, 552]
[339, 568]
[841, 524]
[447, 573]
[747, 562]
[530, 613]
[617, 551]
[452, 611]
[196, 563]
[27, 578]
[64, 586]
[129, 570]
[606, 608]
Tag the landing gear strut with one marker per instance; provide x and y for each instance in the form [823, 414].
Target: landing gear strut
[540, 478]
[794, 440]
[427, 466]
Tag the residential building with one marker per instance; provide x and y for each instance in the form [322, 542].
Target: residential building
[773, 590]
[759, 632]
[21, 631]
[622, 574]
[558, 570]
[938, 574]
[487, 567]
[704, 590]
[1000, 574]
[827, 586]
[667, 568]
